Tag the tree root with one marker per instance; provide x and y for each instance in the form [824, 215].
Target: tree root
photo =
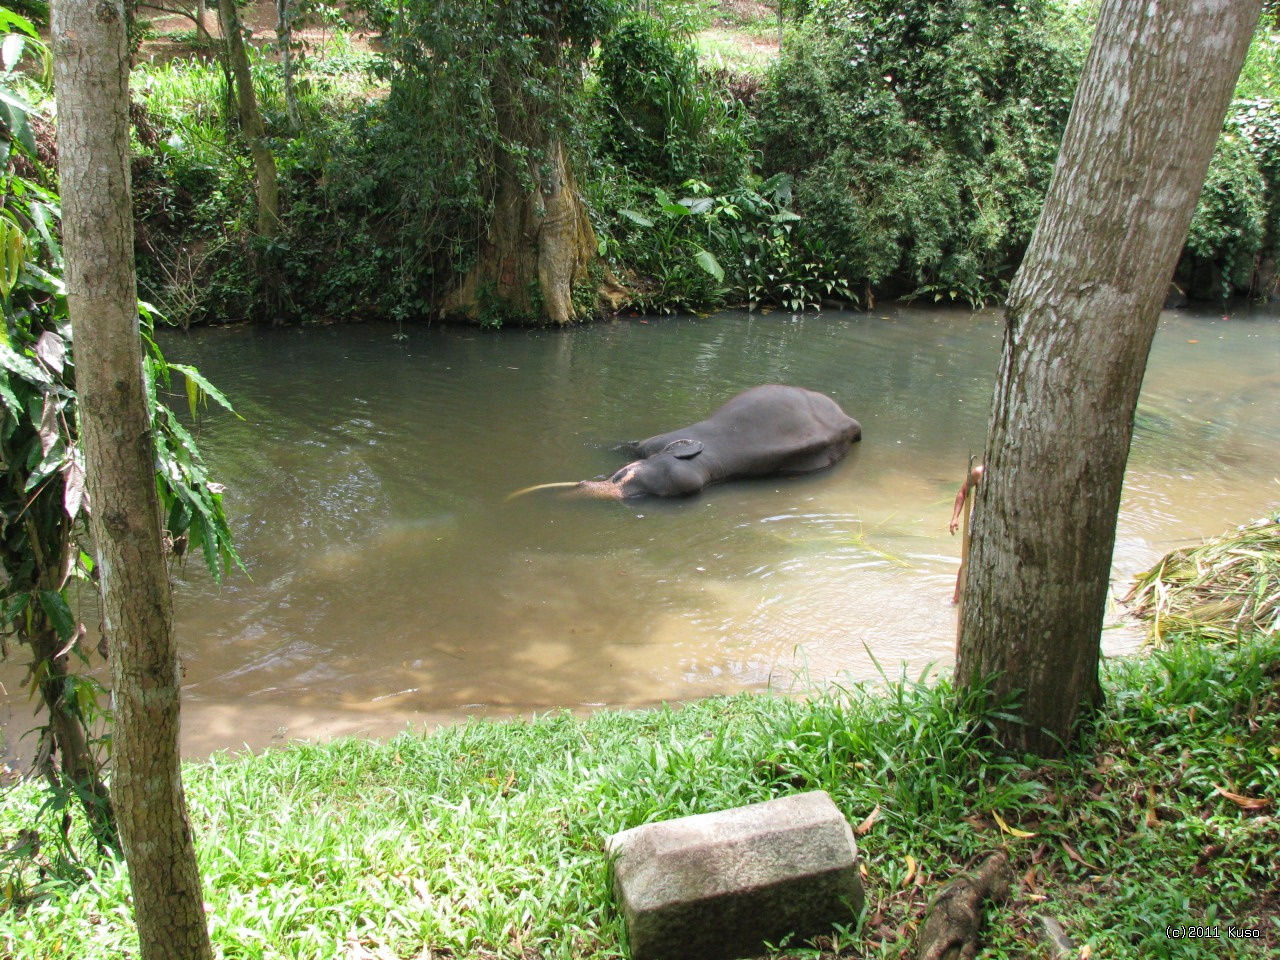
[954, 915]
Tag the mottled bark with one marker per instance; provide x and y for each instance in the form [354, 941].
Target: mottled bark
[255, 133]
[91, 75]
[540, 240]
[954, 916]
[1079, 324]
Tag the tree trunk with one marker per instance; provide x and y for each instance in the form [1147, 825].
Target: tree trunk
[539, 242]
[1079, 323]
[284, 39]
[202, 29]
[91, 74]
[264, 162]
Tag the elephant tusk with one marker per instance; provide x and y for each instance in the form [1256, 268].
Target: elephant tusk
[538, 486]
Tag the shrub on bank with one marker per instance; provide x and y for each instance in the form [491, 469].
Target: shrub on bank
[921, 136]
[914, 143]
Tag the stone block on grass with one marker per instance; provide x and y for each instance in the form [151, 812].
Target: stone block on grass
[718, 886]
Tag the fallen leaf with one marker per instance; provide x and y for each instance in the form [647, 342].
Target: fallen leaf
[911, 871]
[1079, 859]
[1005, 828]
[1252, 804]
[862, 828]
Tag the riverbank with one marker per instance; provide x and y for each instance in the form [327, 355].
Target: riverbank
[485, 839]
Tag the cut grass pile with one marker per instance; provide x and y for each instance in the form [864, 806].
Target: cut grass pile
[485, 840]
[1223, 590]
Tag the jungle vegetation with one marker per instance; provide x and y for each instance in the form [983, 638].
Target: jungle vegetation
[565, 160]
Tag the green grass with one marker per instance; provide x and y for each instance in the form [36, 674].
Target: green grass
[485, 840]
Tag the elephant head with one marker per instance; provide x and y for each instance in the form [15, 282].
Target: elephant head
[671, 472]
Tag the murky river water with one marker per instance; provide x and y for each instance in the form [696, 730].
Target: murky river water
[389, 582]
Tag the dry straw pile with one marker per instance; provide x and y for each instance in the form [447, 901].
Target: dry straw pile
[1225, 589]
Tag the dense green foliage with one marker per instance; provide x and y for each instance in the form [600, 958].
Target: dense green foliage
[922, 136]
[486, 839]
[915, 139]
[666, 119]
[1235, 234]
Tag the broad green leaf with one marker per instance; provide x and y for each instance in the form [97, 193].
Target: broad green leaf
[15, 362]
[15, 115]
[48, 465]
[636, 217]
[43, 216]
[11, 50]
[205, 388]
[193, 397]
[13, 247]
[12, 606]
[55, 608]
[12, 405]
[708, 262]
[11, 20]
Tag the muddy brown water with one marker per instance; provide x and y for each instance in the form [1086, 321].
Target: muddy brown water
[389, 584]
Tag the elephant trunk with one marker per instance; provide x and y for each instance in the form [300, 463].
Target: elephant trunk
[600, 489]
[538, 486]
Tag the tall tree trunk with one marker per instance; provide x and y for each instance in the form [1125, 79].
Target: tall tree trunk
[264, 162]
[284, 39]
[202, 29]
[540, 241]
[92, 79]
[1079, 323]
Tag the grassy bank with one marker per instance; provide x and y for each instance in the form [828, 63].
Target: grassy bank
[485, 840]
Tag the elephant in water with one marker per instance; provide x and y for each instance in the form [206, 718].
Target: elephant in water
[772, 429]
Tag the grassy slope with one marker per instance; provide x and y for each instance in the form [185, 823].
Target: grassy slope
[485, 840]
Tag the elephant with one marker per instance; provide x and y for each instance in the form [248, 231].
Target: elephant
[767, 430]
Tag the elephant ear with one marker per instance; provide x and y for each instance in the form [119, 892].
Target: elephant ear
[683, 449]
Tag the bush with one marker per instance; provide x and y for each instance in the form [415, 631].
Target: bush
[667, 119]
[1230, 222]
[922, 136]
[1234, 236]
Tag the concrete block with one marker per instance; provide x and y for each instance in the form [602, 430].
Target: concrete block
[716, 886]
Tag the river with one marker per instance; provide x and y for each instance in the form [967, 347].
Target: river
[389, 583]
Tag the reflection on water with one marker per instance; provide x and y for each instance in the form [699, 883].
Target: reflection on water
[389, 582]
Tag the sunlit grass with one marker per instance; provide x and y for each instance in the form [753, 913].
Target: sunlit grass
[486, 839]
